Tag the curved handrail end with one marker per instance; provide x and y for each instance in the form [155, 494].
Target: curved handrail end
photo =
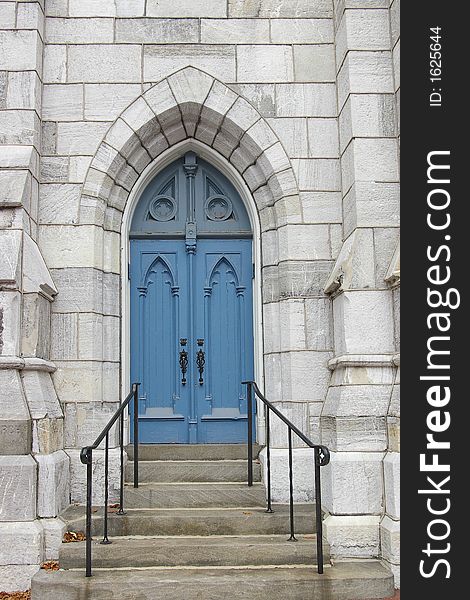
[85, 455]
[324, 455]
[323, 452]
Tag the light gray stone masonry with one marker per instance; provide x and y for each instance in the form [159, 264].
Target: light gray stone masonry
[21, 553]
[261, 8]
[34, 470]
[360, 418]
[301, 100]
[18, 485]
[78, 476]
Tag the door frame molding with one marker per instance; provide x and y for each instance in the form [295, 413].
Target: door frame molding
[220, 163]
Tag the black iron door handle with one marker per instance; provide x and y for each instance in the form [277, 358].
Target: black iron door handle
[200, 360]
[183, 360]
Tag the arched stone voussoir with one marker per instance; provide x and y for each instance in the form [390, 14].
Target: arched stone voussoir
[139, 159]
[273, 160]
[283, 184]
[112, 219]
[97, 184]
[143, 121]
[259, 138]
[239, 118]
[138, 114]
[253, 143]
[92, 210]
[126, 177]
[123, 139]
[118, 197]
[254, 177]
[190, 88]
[271, 164]
[189, 103]
[208, 125]
[161, 100]
[114, 166]
[152, 138]
[108, 160]
[190, 113]
[218, 102]
[190, 85]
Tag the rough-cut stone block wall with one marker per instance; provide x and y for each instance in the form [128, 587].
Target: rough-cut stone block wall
[34, 469]
[304, 107]
[359, 418]
[390, 525]
[98, 58]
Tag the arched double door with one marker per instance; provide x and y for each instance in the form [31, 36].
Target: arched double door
[191, 306]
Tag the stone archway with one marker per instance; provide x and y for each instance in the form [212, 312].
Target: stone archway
[192, 105]
[188, 104]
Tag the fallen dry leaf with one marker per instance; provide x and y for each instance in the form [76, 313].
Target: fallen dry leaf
[50, 565]
[247, 513]
[73, 536]
[15, 595]
[114, 505]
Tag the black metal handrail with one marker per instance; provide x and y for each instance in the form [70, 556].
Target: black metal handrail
[86, 457]
[321, 458]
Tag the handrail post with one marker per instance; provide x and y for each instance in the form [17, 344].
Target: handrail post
[250, 432]
[321, 458]
[89, 491]
[291, 490]
[268, 459]
[318, 517]
[86, 458]
[105, 539]
[121, 482]
[136, 435]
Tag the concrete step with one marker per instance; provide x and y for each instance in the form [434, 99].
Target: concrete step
[196, 521]
[345, 581]
[192, 470]
[194, 495]
[192, 451]
[194, 551]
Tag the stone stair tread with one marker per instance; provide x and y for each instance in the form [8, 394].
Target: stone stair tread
[192, 451]
[77, 511]
[167, 471]
[193, 551]
[201, 494]
[356, 580]
[189, 485]
[188, 462]
[196, 521]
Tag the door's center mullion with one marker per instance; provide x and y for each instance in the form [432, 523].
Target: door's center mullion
[190, 168]
[192, 422]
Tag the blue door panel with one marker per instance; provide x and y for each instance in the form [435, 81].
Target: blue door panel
[191, 293]
[224, 321]
[213, 411]
[158, 315]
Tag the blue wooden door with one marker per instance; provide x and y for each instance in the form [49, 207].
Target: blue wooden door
[159, 319]
[223, 326]
[191, 307]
